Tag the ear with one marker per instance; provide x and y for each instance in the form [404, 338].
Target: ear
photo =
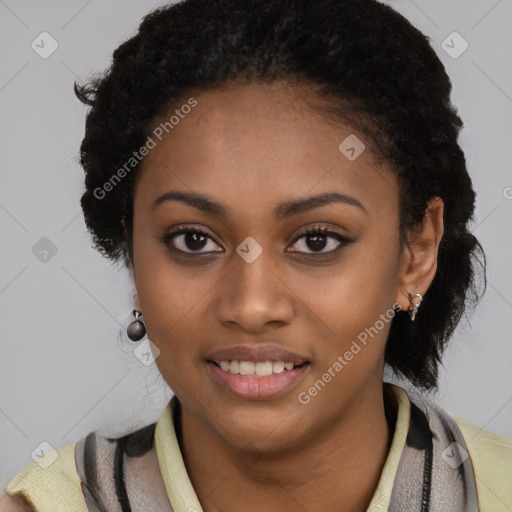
[419, 255]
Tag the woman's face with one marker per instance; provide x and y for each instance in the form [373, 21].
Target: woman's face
[255, 168]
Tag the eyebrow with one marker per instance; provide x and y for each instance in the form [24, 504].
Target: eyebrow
[282, 211]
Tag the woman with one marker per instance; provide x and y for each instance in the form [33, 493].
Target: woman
[284, 182]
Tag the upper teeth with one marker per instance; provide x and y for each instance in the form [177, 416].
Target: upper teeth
[261, 369]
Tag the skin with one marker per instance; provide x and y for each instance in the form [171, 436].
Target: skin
[253, 147]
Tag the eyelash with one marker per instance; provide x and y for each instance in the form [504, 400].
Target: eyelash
[315, 230]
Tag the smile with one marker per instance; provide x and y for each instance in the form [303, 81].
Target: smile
[261, 380]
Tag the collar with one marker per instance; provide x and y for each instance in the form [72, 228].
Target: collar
[184, 499]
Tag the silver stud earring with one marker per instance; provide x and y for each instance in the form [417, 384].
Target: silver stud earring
[136, 330]
[415, 301]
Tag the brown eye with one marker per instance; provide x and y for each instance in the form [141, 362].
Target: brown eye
[315, 240]
[190, 241]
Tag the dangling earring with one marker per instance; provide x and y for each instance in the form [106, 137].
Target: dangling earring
[136, 330]
[415, 301]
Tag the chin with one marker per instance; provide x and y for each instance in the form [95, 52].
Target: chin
[264, 425]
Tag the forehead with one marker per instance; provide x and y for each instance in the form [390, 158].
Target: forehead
[255, 145]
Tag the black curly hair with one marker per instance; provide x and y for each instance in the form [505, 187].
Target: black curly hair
[373, 68]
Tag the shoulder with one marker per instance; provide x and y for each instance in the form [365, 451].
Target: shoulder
[77, 474]
[49, 483]
[491, 455]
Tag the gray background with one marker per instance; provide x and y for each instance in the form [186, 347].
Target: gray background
[64, 370]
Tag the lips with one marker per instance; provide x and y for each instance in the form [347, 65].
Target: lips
[257, 372]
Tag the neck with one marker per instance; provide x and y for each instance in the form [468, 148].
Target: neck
[344, 462]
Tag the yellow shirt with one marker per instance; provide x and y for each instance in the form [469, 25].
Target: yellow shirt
[57, 488]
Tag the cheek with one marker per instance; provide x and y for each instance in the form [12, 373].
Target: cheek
[351, 298]
[165, 295]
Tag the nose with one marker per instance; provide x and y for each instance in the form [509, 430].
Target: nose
[254, 297]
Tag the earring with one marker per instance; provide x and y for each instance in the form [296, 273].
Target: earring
[136, 330]
[415, 301]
